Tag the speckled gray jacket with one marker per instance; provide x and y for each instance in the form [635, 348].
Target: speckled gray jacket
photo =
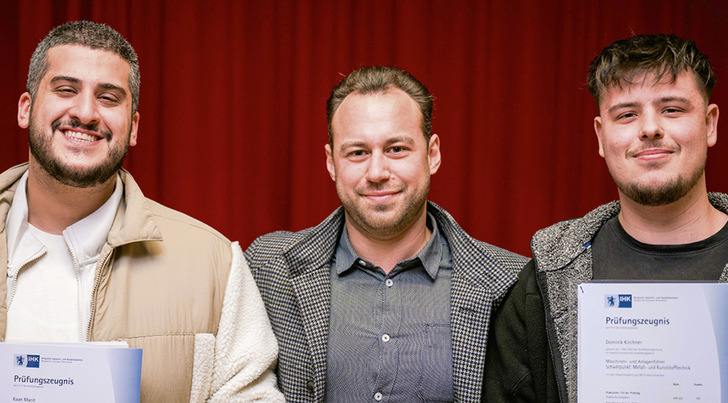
[563, 259]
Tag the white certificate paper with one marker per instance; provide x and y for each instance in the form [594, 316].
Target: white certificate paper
[83, 372]
[653, 342]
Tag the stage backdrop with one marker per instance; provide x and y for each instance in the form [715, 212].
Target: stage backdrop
[233, 94]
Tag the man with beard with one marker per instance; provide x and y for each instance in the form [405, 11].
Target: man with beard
[88, 258]
[388, 299]
[654, 128]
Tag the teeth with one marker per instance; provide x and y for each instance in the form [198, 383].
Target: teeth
[83, 137]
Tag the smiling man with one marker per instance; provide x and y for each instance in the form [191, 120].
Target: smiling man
[654, 128]
[388, 299]
[88, 258]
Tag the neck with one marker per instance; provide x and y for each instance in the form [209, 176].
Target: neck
[53, 206]
[386, 252]
[690, 219]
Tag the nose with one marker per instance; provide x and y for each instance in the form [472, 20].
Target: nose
[85, 109]
[378, 170]
[651, 127]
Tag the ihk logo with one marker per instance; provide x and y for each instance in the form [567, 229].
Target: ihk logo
[28, 361]
[618, 301]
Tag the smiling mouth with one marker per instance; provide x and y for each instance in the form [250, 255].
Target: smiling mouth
[650, 153]
[80, 137]
[381, 196]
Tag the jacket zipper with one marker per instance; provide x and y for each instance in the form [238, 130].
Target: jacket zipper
[76, 272]
[97, 280]
[15, 280]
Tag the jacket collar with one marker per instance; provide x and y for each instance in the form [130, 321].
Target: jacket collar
[490, 269]
[134, 220]
[317, 245]
[8, 183]
[558, 245]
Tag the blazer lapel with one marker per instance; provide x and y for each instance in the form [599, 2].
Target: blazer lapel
[471, 300]
[470, 310]
[313, 289]
[309, 264]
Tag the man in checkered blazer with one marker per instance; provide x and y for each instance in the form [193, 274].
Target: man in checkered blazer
[388, 299]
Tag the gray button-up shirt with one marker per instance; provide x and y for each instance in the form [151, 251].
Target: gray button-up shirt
[389, 334]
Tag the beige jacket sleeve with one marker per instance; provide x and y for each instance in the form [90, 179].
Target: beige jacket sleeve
[237, 365]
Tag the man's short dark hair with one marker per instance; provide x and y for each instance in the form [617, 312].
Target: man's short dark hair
[379, 79]
[92, 35]
[627, 61]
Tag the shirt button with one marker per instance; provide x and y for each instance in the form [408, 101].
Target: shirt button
[389, 282]
[385, 338]
[378, 396]
[363, 263]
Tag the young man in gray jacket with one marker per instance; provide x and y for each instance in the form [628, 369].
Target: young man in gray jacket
[388, 299]
[88, 258]
[654, 128]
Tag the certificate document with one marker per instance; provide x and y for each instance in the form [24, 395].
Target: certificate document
[653, 342]
[80, 372]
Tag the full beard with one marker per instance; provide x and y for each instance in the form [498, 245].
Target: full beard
[41, 148]
[371, 221]
[664, 194]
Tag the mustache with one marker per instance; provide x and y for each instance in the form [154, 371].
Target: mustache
[75, 124]
[649, 145]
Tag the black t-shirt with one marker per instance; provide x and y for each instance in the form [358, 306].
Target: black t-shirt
[618, 256]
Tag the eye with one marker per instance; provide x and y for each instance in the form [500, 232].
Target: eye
[626, 115]
[65, 90]
[356, 154]
[397, 150]
[672, 110]
[108, 98]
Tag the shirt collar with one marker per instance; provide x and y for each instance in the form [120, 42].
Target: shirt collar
[88, 235]
[430, 256]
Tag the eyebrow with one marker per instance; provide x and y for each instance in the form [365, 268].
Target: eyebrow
[404, 139]
[673, 99]
[349, 144]
[74, 80]
[623, 105]
[65, 78]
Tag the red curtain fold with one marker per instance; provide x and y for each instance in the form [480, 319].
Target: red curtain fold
[233, 95]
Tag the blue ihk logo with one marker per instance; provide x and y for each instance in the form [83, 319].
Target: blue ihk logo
[28, 361]
[618, 301]
[625, 300]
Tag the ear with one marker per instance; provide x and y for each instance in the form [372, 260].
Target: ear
[134, 128]
[711, 124]
[598, 130]
[433, 154]
[24, 104]
[330, 162]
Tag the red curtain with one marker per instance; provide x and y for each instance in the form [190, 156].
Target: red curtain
[233, 98]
